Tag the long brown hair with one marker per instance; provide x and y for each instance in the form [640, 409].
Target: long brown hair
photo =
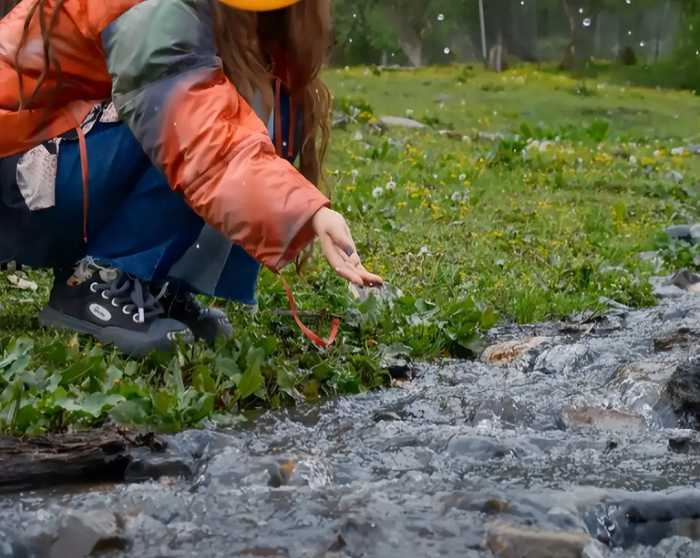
[248, 43]
[47, 22]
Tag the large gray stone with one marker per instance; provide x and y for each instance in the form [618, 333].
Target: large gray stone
[679, 232]
[81, 533]
[401, 122]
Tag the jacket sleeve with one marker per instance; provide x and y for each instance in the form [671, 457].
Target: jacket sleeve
[170, 89]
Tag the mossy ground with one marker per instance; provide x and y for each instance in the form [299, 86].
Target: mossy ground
[528, 196]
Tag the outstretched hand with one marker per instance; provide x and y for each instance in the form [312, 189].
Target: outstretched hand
[339, 248]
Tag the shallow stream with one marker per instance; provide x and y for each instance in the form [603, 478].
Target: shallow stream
[566, 439]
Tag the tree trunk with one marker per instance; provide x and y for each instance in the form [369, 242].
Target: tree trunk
[410, 39]
[569, 61]
[413, 49]
[581, 37]
[496, 56]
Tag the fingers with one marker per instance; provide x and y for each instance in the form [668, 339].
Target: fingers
[338, 263]
[370, 279]
[341, 253]
[354, 262]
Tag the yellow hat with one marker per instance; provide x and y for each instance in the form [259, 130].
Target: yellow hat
[259, 5]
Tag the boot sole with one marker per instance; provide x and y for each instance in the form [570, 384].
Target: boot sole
[136, 345]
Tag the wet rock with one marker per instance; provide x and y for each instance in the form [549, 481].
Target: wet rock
[477, 448]
[564, 359]
[357, 537]
[683, 388]
[641, 385]
[505, 353]
[685, 442]
[509, 541]
[609, 420]
[308, 471]
[687, 281]
[589, 322]
[695, 233]
[663, 289]
[11, 547]
[646, 521]
[82, 533]
[682, 337]
[149, 466]
[505, 409]
[401, 122]
[382, 416]
[173, 456]
[679, 232]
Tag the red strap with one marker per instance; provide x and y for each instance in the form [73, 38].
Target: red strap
[310, 335]
[86, 180]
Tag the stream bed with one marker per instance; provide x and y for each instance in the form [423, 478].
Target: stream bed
[564, 440]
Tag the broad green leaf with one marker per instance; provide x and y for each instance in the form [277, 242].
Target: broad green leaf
[133, 412]
[96, 403]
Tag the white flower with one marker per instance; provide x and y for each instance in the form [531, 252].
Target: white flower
[391, 185]
[378, 192]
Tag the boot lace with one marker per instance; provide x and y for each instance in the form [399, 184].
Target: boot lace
[131, 295]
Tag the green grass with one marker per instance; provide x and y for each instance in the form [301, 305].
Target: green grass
[456, 216]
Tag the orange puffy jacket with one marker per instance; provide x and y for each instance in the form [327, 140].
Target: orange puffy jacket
[157, 61]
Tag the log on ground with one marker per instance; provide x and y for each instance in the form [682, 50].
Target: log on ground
[86, 457]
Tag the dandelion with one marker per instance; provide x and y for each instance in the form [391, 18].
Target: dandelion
[378, 192]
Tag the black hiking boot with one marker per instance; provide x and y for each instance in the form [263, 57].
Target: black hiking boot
[205, 322]
[114, 308]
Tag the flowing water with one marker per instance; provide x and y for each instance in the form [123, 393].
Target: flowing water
[579, 442]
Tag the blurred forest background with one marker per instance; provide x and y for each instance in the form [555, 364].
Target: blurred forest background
[660, 38]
